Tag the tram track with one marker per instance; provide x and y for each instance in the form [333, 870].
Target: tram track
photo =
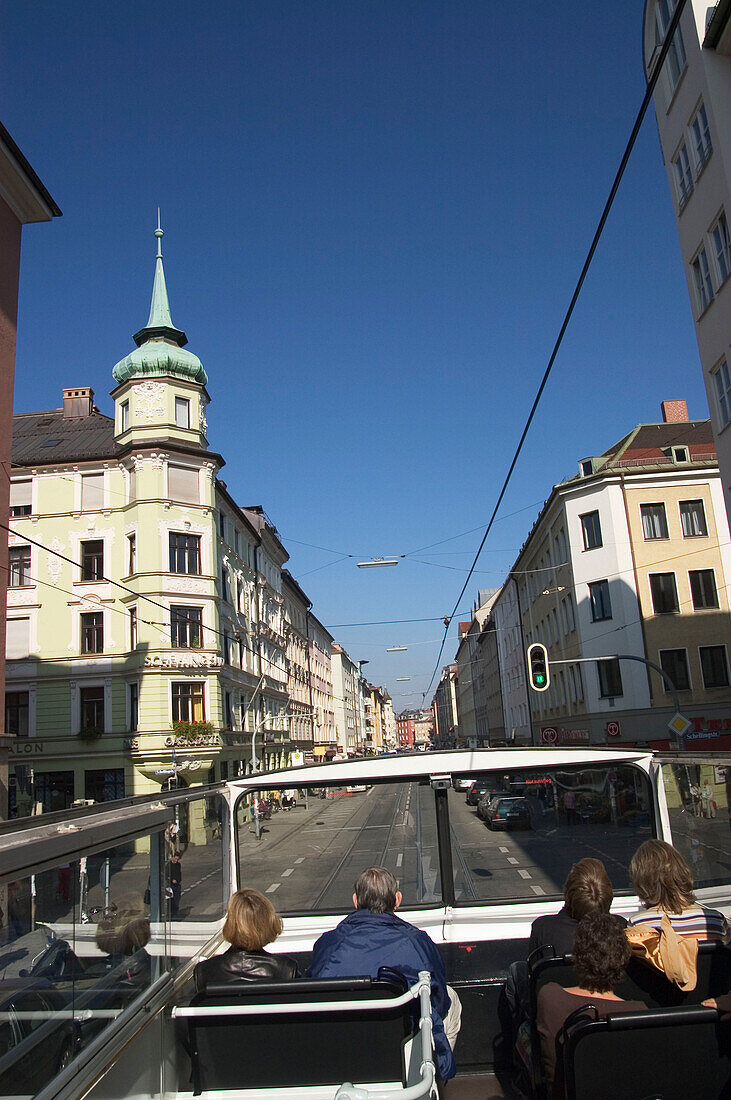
[351, 848]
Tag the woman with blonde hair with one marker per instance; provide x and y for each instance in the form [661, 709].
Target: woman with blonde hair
[663, 882]
[251, 923]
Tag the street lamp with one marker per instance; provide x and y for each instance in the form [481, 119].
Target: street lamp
[397, 649]
[402, 679]
[375, 563]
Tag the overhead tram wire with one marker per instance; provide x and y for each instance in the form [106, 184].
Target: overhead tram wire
[646, 100]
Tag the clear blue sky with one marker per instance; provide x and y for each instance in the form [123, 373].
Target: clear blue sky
[375, 212]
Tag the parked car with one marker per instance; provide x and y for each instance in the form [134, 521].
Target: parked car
[508, 813]
[487, 798]
[36, 1040]
[462, 782]
[478, 790]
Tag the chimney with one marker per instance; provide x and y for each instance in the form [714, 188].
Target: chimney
[674, 412]
[78, 403]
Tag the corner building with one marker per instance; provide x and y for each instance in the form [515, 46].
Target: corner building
[145, 630]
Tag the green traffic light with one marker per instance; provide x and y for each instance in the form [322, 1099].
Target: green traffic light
[540, 678]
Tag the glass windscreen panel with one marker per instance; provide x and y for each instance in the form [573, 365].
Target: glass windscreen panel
[81, 941]
[304, 847]
[516, 835]
[697, 796]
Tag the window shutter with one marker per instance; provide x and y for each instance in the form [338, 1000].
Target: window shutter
[183, 484]
[17, 639]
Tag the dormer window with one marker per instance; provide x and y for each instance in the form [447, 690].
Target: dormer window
[587, 467]
[680, 454]
[182, 412]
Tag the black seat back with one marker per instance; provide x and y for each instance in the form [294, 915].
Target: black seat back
[298, 1049]
[673, 1053]
[643, 982]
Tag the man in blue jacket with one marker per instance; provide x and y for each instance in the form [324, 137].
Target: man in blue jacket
[372, 937]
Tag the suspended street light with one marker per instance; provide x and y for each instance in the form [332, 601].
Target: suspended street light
[397, 649]
[377, 562]
[402, 679]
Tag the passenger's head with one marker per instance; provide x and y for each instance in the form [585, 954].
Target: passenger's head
[251, 922]
[601, 952]
[661, 877]
[587, 889]
[376, 889]
[125, 928]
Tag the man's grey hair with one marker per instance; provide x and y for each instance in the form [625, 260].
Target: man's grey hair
[375, 889]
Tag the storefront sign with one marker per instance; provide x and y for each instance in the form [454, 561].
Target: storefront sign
[193, 741]
[183, 660]
[553, 735]
[26, 748]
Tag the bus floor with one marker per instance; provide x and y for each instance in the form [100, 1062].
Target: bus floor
[480, 1086]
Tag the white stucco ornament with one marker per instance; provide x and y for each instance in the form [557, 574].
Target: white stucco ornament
[55, 564]
[150, 400]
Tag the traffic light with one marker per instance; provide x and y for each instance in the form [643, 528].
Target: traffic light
[538, 673]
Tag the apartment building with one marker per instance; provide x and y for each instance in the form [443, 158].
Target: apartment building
[693, 110]
[630, 559]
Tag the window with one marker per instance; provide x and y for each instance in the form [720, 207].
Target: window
[104, 784]
[224, 584]
[222, 525]
[19, 560]
[16, 713]
[675, 60]
[722, 379]
[683, 176]
[133, 628]
[229, 711]
[124, 416]
[17, 639]
[183, 484]
[182, 412]
[131, 554]
[703, 589]
[591, 530]
[702, 147]
[185, 627]
[714, 665]
[92, 560]
[610, 678]
[185, 553]
[134, 706]
[20, 498]
[702, 280]
[188, 702]
[601, 606]
[92, 492]
[664, 593]
[132, 483]
[721, 248]
[92, 632]
[91, 700]
[674, 663]
[693, 519]
[680, 454]
[654, 521]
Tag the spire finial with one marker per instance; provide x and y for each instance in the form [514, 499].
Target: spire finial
[159, 234]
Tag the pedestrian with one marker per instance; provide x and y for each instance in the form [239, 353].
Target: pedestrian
[175, 882]
[569, 805]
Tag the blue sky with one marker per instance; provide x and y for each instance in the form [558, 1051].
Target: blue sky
[375, 212]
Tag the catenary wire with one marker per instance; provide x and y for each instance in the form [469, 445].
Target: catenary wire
[646, 100]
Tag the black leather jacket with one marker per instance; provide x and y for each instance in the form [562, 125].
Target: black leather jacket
[235, 965]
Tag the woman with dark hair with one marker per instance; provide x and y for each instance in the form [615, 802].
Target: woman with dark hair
[664, 884]
[601, 952]
[251, 923]
[587, 889]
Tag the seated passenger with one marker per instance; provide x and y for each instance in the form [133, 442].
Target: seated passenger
[123, 934]
[601, 952]
[587, 889]
[372, 937]
[663, 882]
[251, 923]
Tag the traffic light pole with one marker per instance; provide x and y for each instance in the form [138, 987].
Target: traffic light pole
[627, 657]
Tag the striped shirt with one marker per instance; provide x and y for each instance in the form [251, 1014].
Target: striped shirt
[704, 924]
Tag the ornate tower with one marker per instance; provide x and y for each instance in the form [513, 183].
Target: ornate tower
[161, 396]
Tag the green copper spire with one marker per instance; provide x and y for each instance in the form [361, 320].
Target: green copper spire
[159, 306]
[159, 344]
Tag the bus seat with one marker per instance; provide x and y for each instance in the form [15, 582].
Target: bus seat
[291, 1049]
[642, 982]
[673, 1053]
